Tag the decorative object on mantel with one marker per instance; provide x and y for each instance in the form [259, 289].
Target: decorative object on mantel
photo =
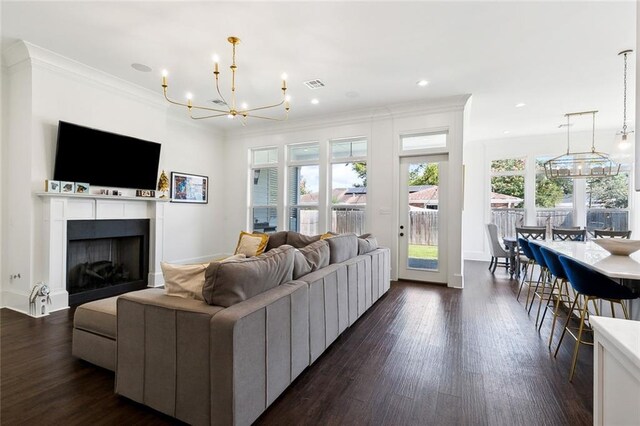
[52, 185]
[231, 110]
[575, 165]
[67, 187]
[187, 188]
[163, 184]
[624, 133]
[147, 193]
[114, 192]
[81, 188]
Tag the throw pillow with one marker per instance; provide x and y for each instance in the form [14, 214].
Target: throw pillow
[228, 283]
[184, 281]
[310, 258]
[328, 235]
[342, 247]
[187, 281]
[366, 245]
[251, 244]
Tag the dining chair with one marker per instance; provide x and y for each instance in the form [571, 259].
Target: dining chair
[559, 289]
[565, 234]
[591, 285]
[529, 233]
[497, 251]
[603, 233]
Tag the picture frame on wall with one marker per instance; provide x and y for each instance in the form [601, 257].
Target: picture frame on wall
[189, 188]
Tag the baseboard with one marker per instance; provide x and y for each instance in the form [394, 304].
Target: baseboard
[476, 255]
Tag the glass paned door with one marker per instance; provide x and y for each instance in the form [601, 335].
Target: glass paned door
[421, 233]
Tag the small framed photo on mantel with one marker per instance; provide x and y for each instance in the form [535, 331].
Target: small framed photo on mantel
[188, 188]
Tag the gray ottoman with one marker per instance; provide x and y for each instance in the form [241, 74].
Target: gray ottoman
[94, 333]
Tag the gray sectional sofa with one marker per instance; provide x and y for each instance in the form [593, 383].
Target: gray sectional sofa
[206, 364]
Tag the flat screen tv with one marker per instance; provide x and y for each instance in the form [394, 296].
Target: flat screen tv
[105, 159]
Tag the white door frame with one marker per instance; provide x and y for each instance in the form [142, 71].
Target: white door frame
[404, 271]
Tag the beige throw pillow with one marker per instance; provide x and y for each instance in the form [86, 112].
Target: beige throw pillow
[186, 281]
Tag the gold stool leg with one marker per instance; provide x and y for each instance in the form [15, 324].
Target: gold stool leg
[566, 324]
[624, 309]
[583, 314]
[550, 296]
[556, 310]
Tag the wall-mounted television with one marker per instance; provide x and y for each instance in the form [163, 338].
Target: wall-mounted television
[105, 159]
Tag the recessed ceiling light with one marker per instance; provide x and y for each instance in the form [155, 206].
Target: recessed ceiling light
[506, 132]
[315, 101]
[422, 83]
[520, 105]
[140, 67]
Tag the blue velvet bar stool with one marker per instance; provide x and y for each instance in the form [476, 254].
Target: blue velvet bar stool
[591, 285]
[559, 289]
[543, 285]
[523, 244]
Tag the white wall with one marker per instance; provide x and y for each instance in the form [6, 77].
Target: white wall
[44, 88]
[478, 156]
[382, 128]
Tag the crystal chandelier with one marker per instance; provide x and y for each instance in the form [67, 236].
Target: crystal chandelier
[231, 109]
[590, 164]
[624, 133]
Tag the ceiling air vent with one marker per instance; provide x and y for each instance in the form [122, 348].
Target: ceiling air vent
[314, 84]
[218, 101]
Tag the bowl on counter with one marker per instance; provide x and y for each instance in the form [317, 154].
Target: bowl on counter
[618, 246]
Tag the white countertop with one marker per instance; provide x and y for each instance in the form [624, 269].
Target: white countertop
[623, 334]
[594, 256]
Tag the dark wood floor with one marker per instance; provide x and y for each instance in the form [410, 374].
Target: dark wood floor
[422, 355]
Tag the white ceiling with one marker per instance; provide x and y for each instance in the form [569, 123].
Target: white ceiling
[556, 57]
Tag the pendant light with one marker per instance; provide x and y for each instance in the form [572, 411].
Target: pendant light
[588, 164]
[624, 142]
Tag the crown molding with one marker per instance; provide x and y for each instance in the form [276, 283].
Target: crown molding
[22, 52]
[367, 115]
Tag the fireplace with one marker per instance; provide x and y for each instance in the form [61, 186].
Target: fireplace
[106, 258]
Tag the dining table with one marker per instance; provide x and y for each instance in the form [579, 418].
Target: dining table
[623, 269]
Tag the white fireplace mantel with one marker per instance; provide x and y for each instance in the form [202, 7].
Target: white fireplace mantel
[60, 208]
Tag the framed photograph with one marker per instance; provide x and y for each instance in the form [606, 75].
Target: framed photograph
[187, 188]
[67, 187]
[52, 185]
[81, 188]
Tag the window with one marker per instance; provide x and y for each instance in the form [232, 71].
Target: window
[348, 185]
[607, 202]
[423, 141]
[554, 200]
[507, 195]
[303, 188]
[264, 189]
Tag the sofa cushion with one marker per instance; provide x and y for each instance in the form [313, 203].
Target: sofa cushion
[298, 240]
[342, 247]
[228, 283]
[276, 239]
[310, 258]
[367, 245]
[251, 244]
[97, 317]
[187, 280]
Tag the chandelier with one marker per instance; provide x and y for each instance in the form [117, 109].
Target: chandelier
[624, 133]
[590, 164]
[231, 109]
